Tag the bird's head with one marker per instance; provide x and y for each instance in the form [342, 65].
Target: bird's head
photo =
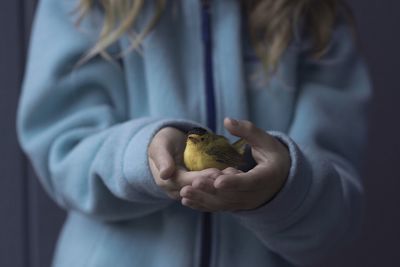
[198, 136]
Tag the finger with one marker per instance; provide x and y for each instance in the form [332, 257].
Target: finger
[193, 205]
[252, 180]
[231, 170]
[255, 136]
[163, 161]
[175, 195]
[201, 198]
[182, 177]
[205, 180]
[178, 180]
[204, 184]
[211, 173]
[164, 184]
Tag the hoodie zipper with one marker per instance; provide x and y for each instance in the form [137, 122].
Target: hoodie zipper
[206, 229]
[208, 66]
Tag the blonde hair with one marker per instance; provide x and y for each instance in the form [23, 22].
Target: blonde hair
[271, 24]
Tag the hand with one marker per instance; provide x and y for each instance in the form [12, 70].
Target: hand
[165, 157]
[234, 190]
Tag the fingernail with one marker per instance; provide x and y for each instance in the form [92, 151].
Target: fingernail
[163, 177]
[234, 122]
[163, 174]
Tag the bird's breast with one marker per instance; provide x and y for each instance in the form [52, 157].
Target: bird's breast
[197, 160]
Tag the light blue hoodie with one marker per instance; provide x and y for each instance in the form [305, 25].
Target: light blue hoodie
[86, 131]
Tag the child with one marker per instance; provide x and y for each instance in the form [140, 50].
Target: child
[104, 121]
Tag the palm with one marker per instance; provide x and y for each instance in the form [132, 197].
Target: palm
[236, 190]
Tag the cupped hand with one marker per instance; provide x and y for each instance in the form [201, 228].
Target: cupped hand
[165, 155]
[234, 190]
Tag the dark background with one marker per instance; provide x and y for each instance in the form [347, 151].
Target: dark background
[29, 221]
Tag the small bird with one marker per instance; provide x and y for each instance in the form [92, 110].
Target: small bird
[207, 150]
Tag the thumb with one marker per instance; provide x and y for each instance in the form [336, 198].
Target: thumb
[254, 136]
[164, 162]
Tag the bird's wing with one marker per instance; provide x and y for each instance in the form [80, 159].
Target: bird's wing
[226, 155]
[219, 137]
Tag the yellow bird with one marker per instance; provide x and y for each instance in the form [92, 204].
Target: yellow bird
[207, 150]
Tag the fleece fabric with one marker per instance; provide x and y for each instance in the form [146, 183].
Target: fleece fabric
[86, 129]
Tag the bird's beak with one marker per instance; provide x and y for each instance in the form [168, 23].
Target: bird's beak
[193, 139]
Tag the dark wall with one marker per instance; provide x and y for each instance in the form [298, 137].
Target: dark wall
[29, 221]
[379, 23]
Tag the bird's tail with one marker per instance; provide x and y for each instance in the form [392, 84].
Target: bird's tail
[244, 149]
[240, 146]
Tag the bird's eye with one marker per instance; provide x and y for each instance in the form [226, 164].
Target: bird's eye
[202, 139]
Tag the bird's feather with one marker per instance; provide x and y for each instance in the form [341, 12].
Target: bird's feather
[226, 155]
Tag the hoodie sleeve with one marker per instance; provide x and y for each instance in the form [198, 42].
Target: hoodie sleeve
[72, 124]
[320, 206]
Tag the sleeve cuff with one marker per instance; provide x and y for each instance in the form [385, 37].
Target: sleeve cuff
[283, 206]
[135, 163]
